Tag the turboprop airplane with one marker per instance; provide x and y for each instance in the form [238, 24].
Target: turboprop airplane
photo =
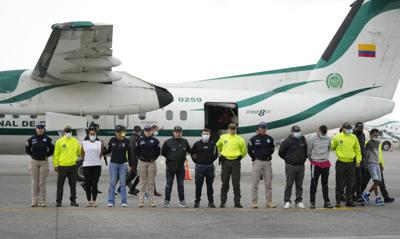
[354, 80]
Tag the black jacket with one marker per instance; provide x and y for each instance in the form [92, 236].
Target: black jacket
[175, 150]
[204, 153]
[119, 150]
[147, 149]
[261, 147]
[39, 147]
[294, 150]
[361, 139]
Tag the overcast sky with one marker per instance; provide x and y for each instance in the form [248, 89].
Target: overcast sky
[183, 40]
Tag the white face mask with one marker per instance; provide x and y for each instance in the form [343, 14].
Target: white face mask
[155, 133]
[297, 134]
[348, 131]
[68, 135]
[92, 138]
[205, 137]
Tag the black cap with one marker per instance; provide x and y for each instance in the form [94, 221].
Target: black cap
[92, 129]
[359, 125]
[147, 128]
[67, 129]
[119, 128]
[232, 126]
[137, 128]
[40, 125]
[347, 126]
[178, 128]
[262, 125]
[295, 128]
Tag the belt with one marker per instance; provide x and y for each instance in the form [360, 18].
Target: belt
[147, 160]
[268, 158]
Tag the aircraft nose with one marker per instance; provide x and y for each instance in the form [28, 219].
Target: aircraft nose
[164, 97]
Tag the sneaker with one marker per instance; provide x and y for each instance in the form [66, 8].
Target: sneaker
[94, 204]
[58, 204]
[238, 205]
[365, 196]
[338, 205]
[287, 205]
[43, 204]
[211, 205]
[124, 205]
[312, 205]
[183, 204]
[166, 204]
[141, 204]
[196, 204]
[379, 202]
[270, 205]
[254, 205]
[328, 205]
[389, 200]
[89, 204]
[300, 205]
[157, 194]
[74, 204]
[152, 203]
[110, 205]
[34, 205]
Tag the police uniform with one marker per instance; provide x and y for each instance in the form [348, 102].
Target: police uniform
[260, 149]
[39, 147]
[147, 151]
[204, 154]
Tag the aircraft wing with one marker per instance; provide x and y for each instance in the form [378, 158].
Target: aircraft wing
[78, 52]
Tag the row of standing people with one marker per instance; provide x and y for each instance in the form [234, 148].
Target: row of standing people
[230, 147]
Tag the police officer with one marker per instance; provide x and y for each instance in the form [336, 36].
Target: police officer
[175, 150]
[121, 152]
[347, 148]
[232, 148]
[66, 153]
[260, 148]
[147, 150]
[133, 174]
[39, 147]
[204, 153]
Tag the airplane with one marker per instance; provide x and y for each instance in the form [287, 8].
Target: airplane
[354, 80]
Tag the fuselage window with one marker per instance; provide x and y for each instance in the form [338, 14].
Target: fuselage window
[183, 115]
[121, 117]
[96, 117]
[33, 116]
[15, 116]
[169, 115]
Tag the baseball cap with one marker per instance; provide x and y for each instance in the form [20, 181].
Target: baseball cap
[119, 128]
[347, 126]
[359, 125]
[232, 126]
[178, 128]
[147, 128]
[40, 125]
[262, 125]
[67, 129]
[295, 128]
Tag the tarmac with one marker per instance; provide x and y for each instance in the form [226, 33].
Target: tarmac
[18, 220]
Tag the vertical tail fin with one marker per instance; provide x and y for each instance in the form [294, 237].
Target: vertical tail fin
[365, 52]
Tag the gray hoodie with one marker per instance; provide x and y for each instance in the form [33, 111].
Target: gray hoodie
[318, 148]
[372, 151]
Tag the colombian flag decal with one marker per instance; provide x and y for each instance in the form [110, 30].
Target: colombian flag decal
[367, 50]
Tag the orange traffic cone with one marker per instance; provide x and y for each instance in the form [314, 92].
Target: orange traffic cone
[187, 171]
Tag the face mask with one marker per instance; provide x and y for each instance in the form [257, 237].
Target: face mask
[92, 138]
[348, 131]
[155, 133]
[68, 135]
[297, 134]
[205, 137]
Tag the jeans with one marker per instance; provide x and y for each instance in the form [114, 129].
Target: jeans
[180, 176]
[117, 170]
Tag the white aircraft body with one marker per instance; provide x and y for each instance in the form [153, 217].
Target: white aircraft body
[354, 80]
